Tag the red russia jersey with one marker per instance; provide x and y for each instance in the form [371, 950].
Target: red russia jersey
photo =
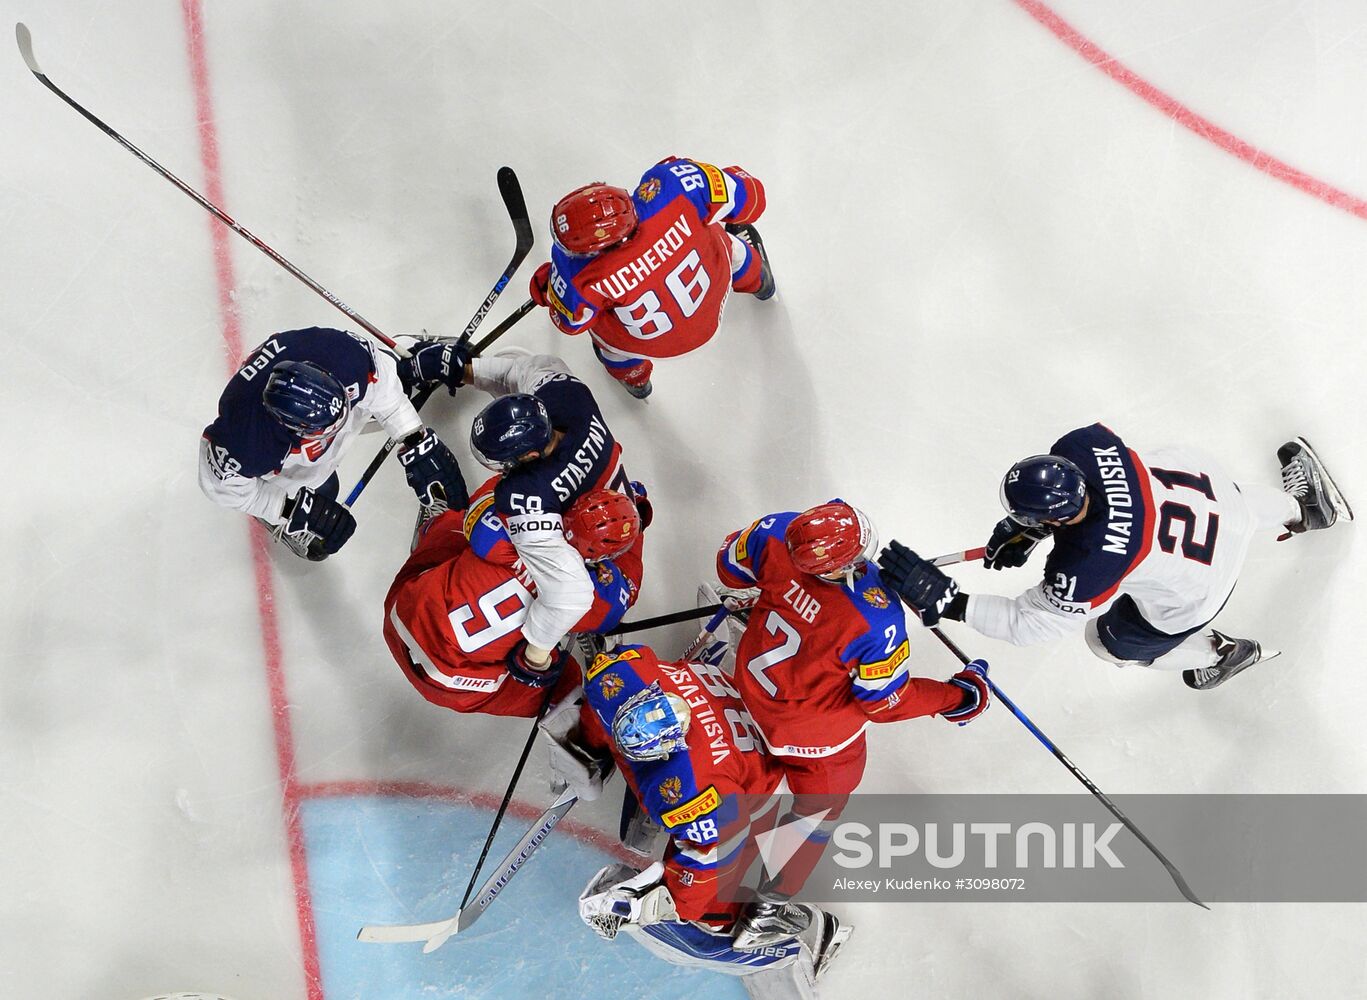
[820, 660]
[660, 294]
[693, 792]
[451, 617]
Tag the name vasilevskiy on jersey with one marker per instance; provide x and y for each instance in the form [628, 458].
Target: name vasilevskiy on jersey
[581, 462]
[702, 716]
[1115, 480]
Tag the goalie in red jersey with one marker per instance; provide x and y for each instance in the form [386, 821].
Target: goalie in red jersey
[647, 273]
[454, 613]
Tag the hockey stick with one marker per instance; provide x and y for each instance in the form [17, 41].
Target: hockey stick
[425, 394]
[507, 797]
[511, 191]
[689, 614]
[26, 50]
[438, 932]
[1076, 771]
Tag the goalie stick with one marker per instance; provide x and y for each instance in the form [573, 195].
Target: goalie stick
[1077, 773]
[25, 40]
[511, 191]
[438, 932]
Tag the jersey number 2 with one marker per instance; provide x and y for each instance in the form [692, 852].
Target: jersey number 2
[786, 650]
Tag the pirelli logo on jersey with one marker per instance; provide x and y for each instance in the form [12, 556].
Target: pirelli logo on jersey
[475, 512]
[884, 669]
[716, 183]
[698, 806]
[604, 660]
[743, 542]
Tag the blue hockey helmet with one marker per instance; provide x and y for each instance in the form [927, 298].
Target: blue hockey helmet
[651, 724]
[306, 399]
[508, 428]
[1043, 488]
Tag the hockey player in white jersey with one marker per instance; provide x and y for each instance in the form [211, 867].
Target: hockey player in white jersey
[1146, 551]
[288, 416]
[545, 436]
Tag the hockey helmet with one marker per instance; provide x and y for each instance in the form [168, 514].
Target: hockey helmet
[602, 524]
[305, 399]
[508, 428]
[592, 218]
[1043, 488]
[830, 540]
[651, 724]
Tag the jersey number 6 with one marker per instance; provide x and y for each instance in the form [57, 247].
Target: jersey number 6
[688, 293]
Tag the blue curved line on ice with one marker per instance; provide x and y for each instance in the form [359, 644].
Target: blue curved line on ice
[395, 860]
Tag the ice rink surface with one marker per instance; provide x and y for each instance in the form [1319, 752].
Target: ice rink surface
[981, 241]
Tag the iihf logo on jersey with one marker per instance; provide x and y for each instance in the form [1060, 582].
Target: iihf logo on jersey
[671, 790]
[648, 189]
[611, 685]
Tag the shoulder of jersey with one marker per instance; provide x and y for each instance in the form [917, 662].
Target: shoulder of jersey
[661, 187]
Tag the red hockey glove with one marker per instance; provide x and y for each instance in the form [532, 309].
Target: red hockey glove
[540, 282]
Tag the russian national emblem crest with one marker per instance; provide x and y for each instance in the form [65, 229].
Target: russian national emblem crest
[671, 790]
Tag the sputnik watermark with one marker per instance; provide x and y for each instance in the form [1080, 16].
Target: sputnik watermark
[1031, 845]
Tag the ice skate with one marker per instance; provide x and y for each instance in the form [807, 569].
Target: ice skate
[829, 934]
[1235, 655]
[1306, 479]
[766, 924]
[641, 391]
[750, 234]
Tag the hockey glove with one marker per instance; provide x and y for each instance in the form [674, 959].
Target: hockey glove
[540, 283]
[316, 524]
[644, 510]
[1011, 543]
[428, 465]
[533, 676]
[977, 693]
[612, 899]
[435, 361]
[919, 582]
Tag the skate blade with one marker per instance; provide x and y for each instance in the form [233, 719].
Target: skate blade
[1335, 494]
[833, 949]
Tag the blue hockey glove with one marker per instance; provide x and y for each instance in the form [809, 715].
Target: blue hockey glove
[435, 361]
[919, 582]
[537, 677]
[977, 693]
[429, 466]
[316, 524]
[1011, 543]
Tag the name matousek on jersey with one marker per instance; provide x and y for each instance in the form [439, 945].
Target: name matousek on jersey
[508, 599]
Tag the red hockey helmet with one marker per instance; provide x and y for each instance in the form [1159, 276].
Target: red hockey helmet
[602, 524]
[830, 539]
[592, 218]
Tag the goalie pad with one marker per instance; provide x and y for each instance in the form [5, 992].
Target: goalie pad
[572, 766]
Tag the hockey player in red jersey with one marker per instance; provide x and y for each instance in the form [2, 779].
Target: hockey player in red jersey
[647, 273]
[825, 650]
[684, 743]
[454, 613]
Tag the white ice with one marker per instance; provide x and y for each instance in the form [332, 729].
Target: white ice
[980, 242]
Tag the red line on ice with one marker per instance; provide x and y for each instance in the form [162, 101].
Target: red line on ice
[265, 585]
[1188, 119]
[482, 800]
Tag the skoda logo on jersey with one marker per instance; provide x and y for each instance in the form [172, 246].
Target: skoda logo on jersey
[611, 686]
[648, 189]
[671, 790]
[877, 596]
